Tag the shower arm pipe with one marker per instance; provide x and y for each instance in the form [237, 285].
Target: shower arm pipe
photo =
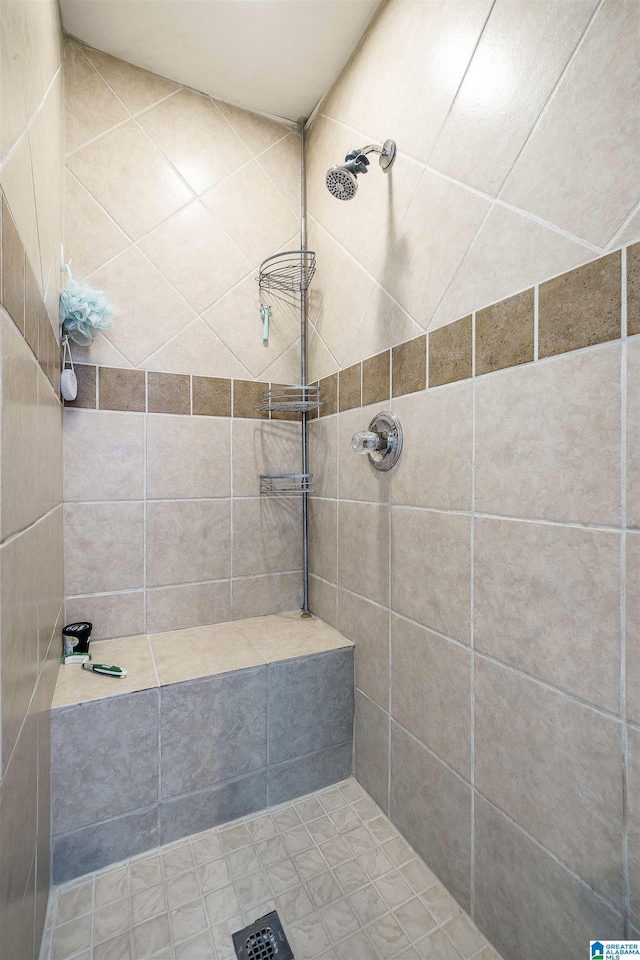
[303, 374]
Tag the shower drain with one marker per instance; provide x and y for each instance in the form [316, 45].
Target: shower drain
[264, 939]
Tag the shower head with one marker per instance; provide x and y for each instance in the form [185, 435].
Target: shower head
[341, 180]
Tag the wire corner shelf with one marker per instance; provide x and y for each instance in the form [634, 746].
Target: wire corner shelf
[285, 484]
[290, 399]
[287, 272]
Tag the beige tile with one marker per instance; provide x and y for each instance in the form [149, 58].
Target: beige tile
[150, 311]
[367, 625]
[129, 177]
[112, 615]
[420, 781]
[634, 823]
[509, 253]
[103, 547]
[371, 767]
[168, 393]
[580, 140]
[363, 549]
[271, 594]
[104, 454]
[50, 448]
[435, 467]
[505, 88]
[431, 692]
[187, 540]
[344, 304]
[320, 362]
[537, 776]
[327, 144]
[19, 431]
[261, 447]
[249, 208]
[512, 870]
[543, 448]
[281, 163]
[580, 308]
[323, 546]
[169, 608]
[196, 350]
[505, 333]
[90, 236]
[70, 938]
[633, 626]
[181, 250]
[358, 479]
[90, 106]
[235, 318]
[13, 269]
[383, 201]
[431, 558]
[547, 601]
[303, 640]
[441, 223]
[135, 87]
[46, 137]
[383, 325]
[323, 456]
[350, 387]
[256, 132]
[178, 660]
[323, 600]
[100, 352]
[201, 443]
[197, 140]
[633, 434]
[76, 685]
[326, 251]
[266, 536]
[211, 396]
[121, 389]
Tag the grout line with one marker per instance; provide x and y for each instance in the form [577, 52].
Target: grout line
[472, 704]
[536, 323]
[626, 878]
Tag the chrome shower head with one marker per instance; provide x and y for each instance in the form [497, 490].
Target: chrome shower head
[341, 180]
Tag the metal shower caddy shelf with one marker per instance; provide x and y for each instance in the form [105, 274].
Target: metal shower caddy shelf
[288, 272]
[290, 399]
[285, 484]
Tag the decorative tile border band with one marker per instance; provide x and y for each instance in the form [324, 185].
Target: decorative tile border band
[578, 309]
[20, 297]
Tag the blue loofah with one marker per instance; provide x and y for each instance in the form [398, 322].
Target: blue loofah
[84, 313]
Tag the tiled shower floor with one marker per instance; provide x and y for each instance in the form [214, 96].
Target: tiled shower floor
[345, 885]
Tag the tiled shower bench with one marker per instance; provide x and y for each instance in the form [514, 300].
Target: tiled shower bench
[210, 724]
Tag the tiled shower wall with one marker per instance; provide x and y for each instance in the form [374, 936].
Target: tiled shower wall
[490, 581]
[172, 202]
[31, 588]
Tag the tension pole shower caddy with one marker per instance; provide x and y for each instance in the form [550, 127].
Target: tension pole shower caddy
[286, 276]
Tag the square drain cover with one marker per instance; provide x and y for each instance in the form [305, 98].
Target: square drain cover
[264, 939]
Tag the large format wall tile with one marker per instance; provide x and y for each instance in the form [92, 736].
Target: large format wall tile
[104, 545]
[547, 601]
[633, 626]
[112, 615]
[310, 704]
[135, 87]
[633, 767]
[431, 691]
[431, 569]
[545, 448]
[367, 625]
[525, 897]
[91, 107]
[266, 536]
[19, 431]
[363, 549]
[420, 782]
[371, 749]
[633, 434]
[97, 784]
[187, 457]
[323, 552]
[187, 605]
[187, 540]
[550, 746]
[212, 730]
[103, 455]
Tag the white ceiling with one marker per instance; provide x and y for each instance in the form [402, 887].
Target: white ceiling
[272, 56]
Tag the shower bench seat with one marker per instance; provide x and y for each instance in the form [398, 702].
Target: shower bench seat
[210, 724]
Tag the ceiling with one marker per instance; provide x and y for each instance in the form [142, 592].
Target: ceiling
[273, 56]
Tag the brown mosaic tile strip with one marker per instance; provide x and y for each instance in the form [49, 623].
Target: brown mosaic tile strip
[247, 394]
[580, 308]
[168, 393]
[329, 395]
[350, 387]
[280, 415]
[451, 352]
[633, 289]
[409, 366]
[505, 333]
[211, 396]
[121, 389]
[20, 296]
[376, 378]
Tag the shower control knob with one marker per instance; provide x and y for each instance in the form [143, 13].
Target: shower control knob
[366, 441]
[382, 442]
